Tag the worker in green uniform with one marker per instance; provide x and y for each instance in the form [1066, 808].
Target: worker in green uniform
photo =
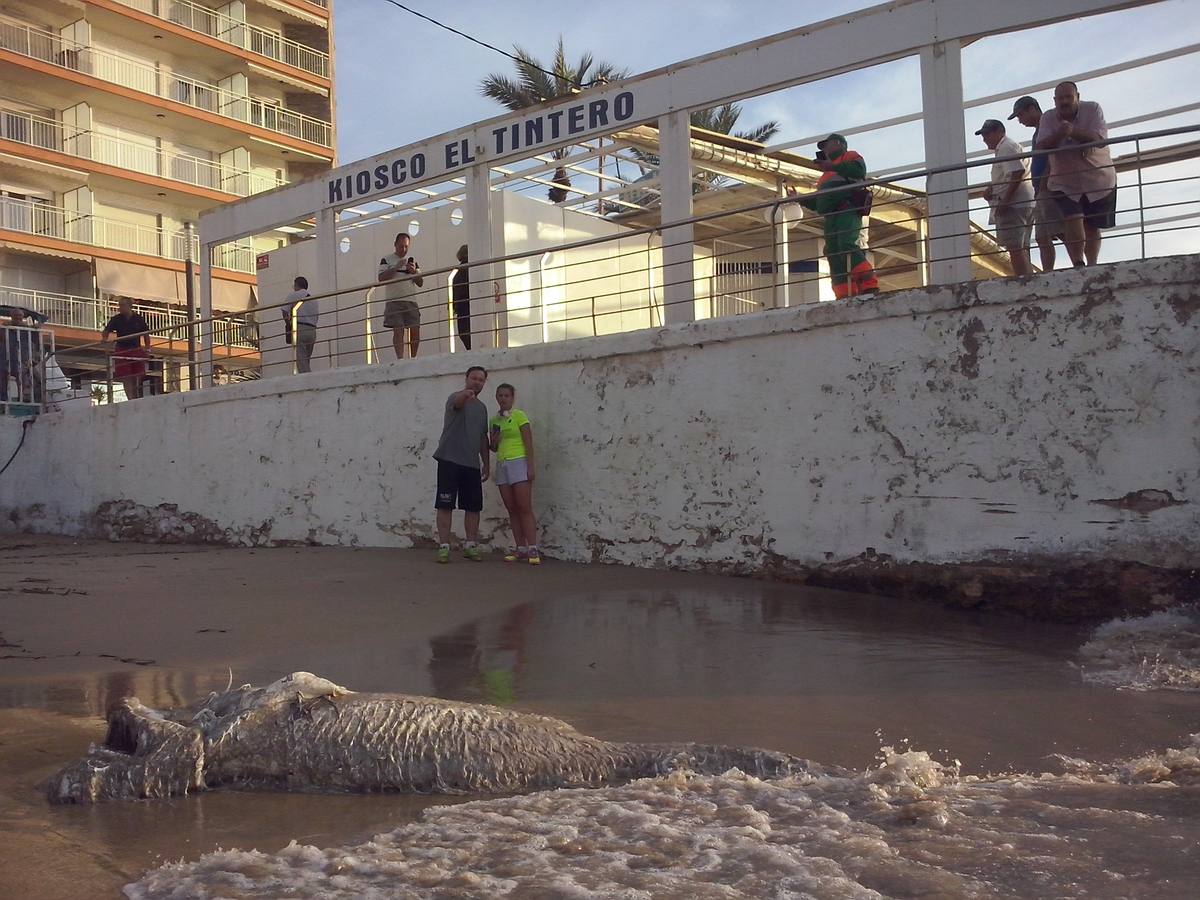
[842, 206]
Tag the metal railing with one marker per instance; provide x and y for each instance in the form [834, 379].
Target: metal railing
[600, 285]
[48, 134]
[92, 314]
[237, 32]
[769, 257]
[45, 220]
[30, 378]
[38, 43]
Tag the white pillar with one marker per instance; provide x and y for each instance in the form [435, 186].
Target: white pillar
[485, 311]
[347, 342]
[945, 145]
[675, 174]
[205, 328]
[782, 217]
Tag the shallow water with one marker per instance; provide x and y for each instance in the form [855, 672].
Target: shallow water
[908, 828]
[828, 676]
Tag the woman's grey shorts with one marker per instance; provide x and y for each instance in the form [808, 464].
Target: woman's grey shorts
[512, 471]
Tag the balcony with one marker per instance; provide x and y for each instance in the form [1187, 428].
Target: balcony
[47, 134]
[46, 46]
[90, 314]
[214, 24]
[44, 220]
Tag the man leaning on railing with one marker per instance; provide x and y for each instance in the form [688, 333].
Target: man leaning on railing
[1082, 182]
[132, 348]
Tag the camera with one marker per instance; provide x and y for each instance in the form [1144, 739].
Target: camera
[821, 156]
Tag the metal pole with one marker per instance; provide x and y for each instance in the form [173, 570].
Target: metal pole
[192, 313]
[1137, 149]
[110, 379]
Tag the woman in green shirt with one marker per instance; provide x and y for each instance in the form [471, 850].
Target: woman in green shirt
[512, 440]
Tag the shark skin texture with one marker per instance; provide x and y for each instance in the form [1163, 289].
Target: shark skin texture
[305, 733]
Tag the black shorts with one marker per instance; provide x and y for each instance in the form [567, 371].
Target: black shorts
[458, 482]
[1099, 212]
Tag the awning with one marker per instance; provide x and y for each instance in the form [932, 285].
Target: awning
[45, 168]
[122, 279]
[16, 247]
[227, 296]
[288, 79]
[284, 7]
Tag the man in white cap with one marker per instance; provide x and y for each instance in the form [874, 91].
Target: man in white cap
[1010, 195]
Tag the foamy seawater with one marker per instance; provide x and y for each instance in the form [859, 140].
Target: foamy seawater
[1160, 651]
[908, 828]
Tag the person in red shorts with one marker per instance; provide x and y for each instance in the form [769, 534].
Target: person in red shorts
[131, 349]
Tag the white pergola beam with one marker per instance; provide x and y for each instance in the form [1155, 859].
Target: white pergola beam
[847, 43]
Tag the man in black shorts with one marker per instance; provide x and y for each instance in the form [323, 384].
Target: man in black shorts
[464, 464]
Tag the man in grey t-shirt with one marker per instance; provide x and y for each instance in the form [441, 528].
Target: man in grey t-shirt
[401, 311]
[464, 463]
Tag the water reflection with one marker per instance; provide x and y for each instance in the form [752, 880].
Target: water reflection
[822, 674]
[92, 693]
[483, 660]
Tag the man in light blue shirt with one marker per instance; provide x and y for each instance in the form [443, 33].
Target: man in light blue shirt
[300, 317]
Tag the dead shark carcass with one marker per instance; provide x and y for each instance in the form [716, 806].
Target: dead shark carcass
[304, 733]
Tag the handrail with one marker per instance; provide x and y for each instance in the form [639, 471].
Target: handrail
[92, 314]
[237, 32]
[49, 134]
[44, 219]
[668, 233]
[38, 43]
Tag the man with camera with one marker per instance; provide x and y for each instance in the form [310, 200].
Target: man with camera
[401, 311]
[842, 207]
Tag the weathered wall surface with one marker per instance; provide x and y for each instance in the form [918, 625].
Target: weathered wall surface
[1029, 443]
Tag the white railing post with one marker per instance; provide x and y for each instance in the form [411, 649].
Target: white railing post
[945, 145]
[675, 151]
[205, 328]
[477, 211]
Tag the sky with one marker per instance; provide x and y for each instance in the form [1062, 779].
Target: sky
[401, 79]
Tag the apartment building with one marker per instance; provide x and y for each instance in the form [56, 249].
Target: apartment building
[120, 121]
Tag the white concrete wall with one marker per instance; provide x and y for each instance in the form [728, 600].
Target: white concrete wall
[1054, 416]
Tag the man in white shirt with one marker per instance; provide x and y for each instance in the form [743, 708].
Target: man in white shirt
[300, 314]
[1010, 195]
[401, 311]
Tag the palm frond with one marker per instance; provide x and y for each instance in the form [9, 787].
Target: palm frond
[762, 133]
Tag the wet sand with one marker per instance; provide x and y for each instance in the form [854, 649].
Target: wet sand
[623, 654]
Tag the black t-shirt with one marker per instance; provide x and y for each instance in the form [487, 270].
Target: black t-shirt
[121, 326]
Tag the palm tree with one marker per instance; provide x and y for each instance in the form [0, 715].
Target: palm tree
[535, 83]
[721, 119]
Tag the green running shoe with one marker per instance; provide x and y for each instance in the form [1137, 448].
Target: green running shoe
[443, 554]
[473, 554]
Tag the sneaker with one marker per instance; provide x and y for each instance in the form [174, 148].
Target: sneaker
[443, 554]
[515, 556]
[473, 554]
[534, 558]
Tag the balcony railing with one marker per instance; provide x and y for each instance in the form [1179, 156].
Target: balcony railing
[48, 134]
[212, 23]
[33, 217]
[90, 314]
[38, 43]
